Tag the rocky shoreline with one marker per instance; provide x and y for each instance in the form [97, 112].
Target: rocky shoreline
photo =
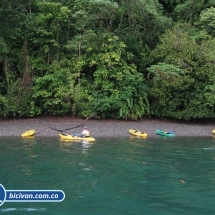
[48, 126]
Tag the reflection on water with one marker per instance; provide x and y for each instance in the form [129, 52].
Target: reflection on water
[131, 176]
[67, 145]
[21, 209]
[210, 148]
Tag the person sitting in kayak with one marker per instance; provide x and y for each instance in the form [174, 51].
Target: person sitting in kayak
[85, 132]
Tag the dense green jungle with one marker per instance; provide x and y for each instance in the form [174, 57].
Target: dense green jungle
[123, 59]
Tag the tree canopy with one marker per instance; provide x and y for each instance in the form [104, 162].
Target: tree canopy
[118, 59]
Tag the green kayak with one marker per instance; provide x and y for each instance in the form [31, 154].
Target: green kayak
[164, 133]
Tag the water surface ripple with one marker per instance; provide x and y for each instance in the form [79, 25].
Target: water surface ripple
[116, 176]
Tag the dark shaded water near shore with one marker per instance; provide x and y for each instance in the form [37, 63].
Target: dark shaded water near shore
[117, 176]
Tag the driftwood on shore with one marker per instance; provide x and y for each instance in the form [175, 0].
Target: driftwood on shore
[66, 129]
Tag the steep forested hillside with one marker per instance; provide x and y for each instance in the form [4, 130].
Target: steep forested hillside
[125, 59]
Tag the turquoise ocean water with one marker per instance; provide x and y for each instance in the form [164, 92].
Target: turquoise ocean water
[116, 176]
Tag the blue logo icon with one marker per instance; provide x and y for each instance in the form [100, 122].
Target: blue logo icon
[2, 195]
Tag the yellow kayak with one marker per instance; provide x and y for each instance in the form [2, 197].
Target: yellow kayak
[70, 137]
[213, 131]
[138, 133]
[28, 133]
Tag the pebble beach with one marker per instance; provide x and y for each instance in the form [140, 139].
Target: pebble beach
[48, 126]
